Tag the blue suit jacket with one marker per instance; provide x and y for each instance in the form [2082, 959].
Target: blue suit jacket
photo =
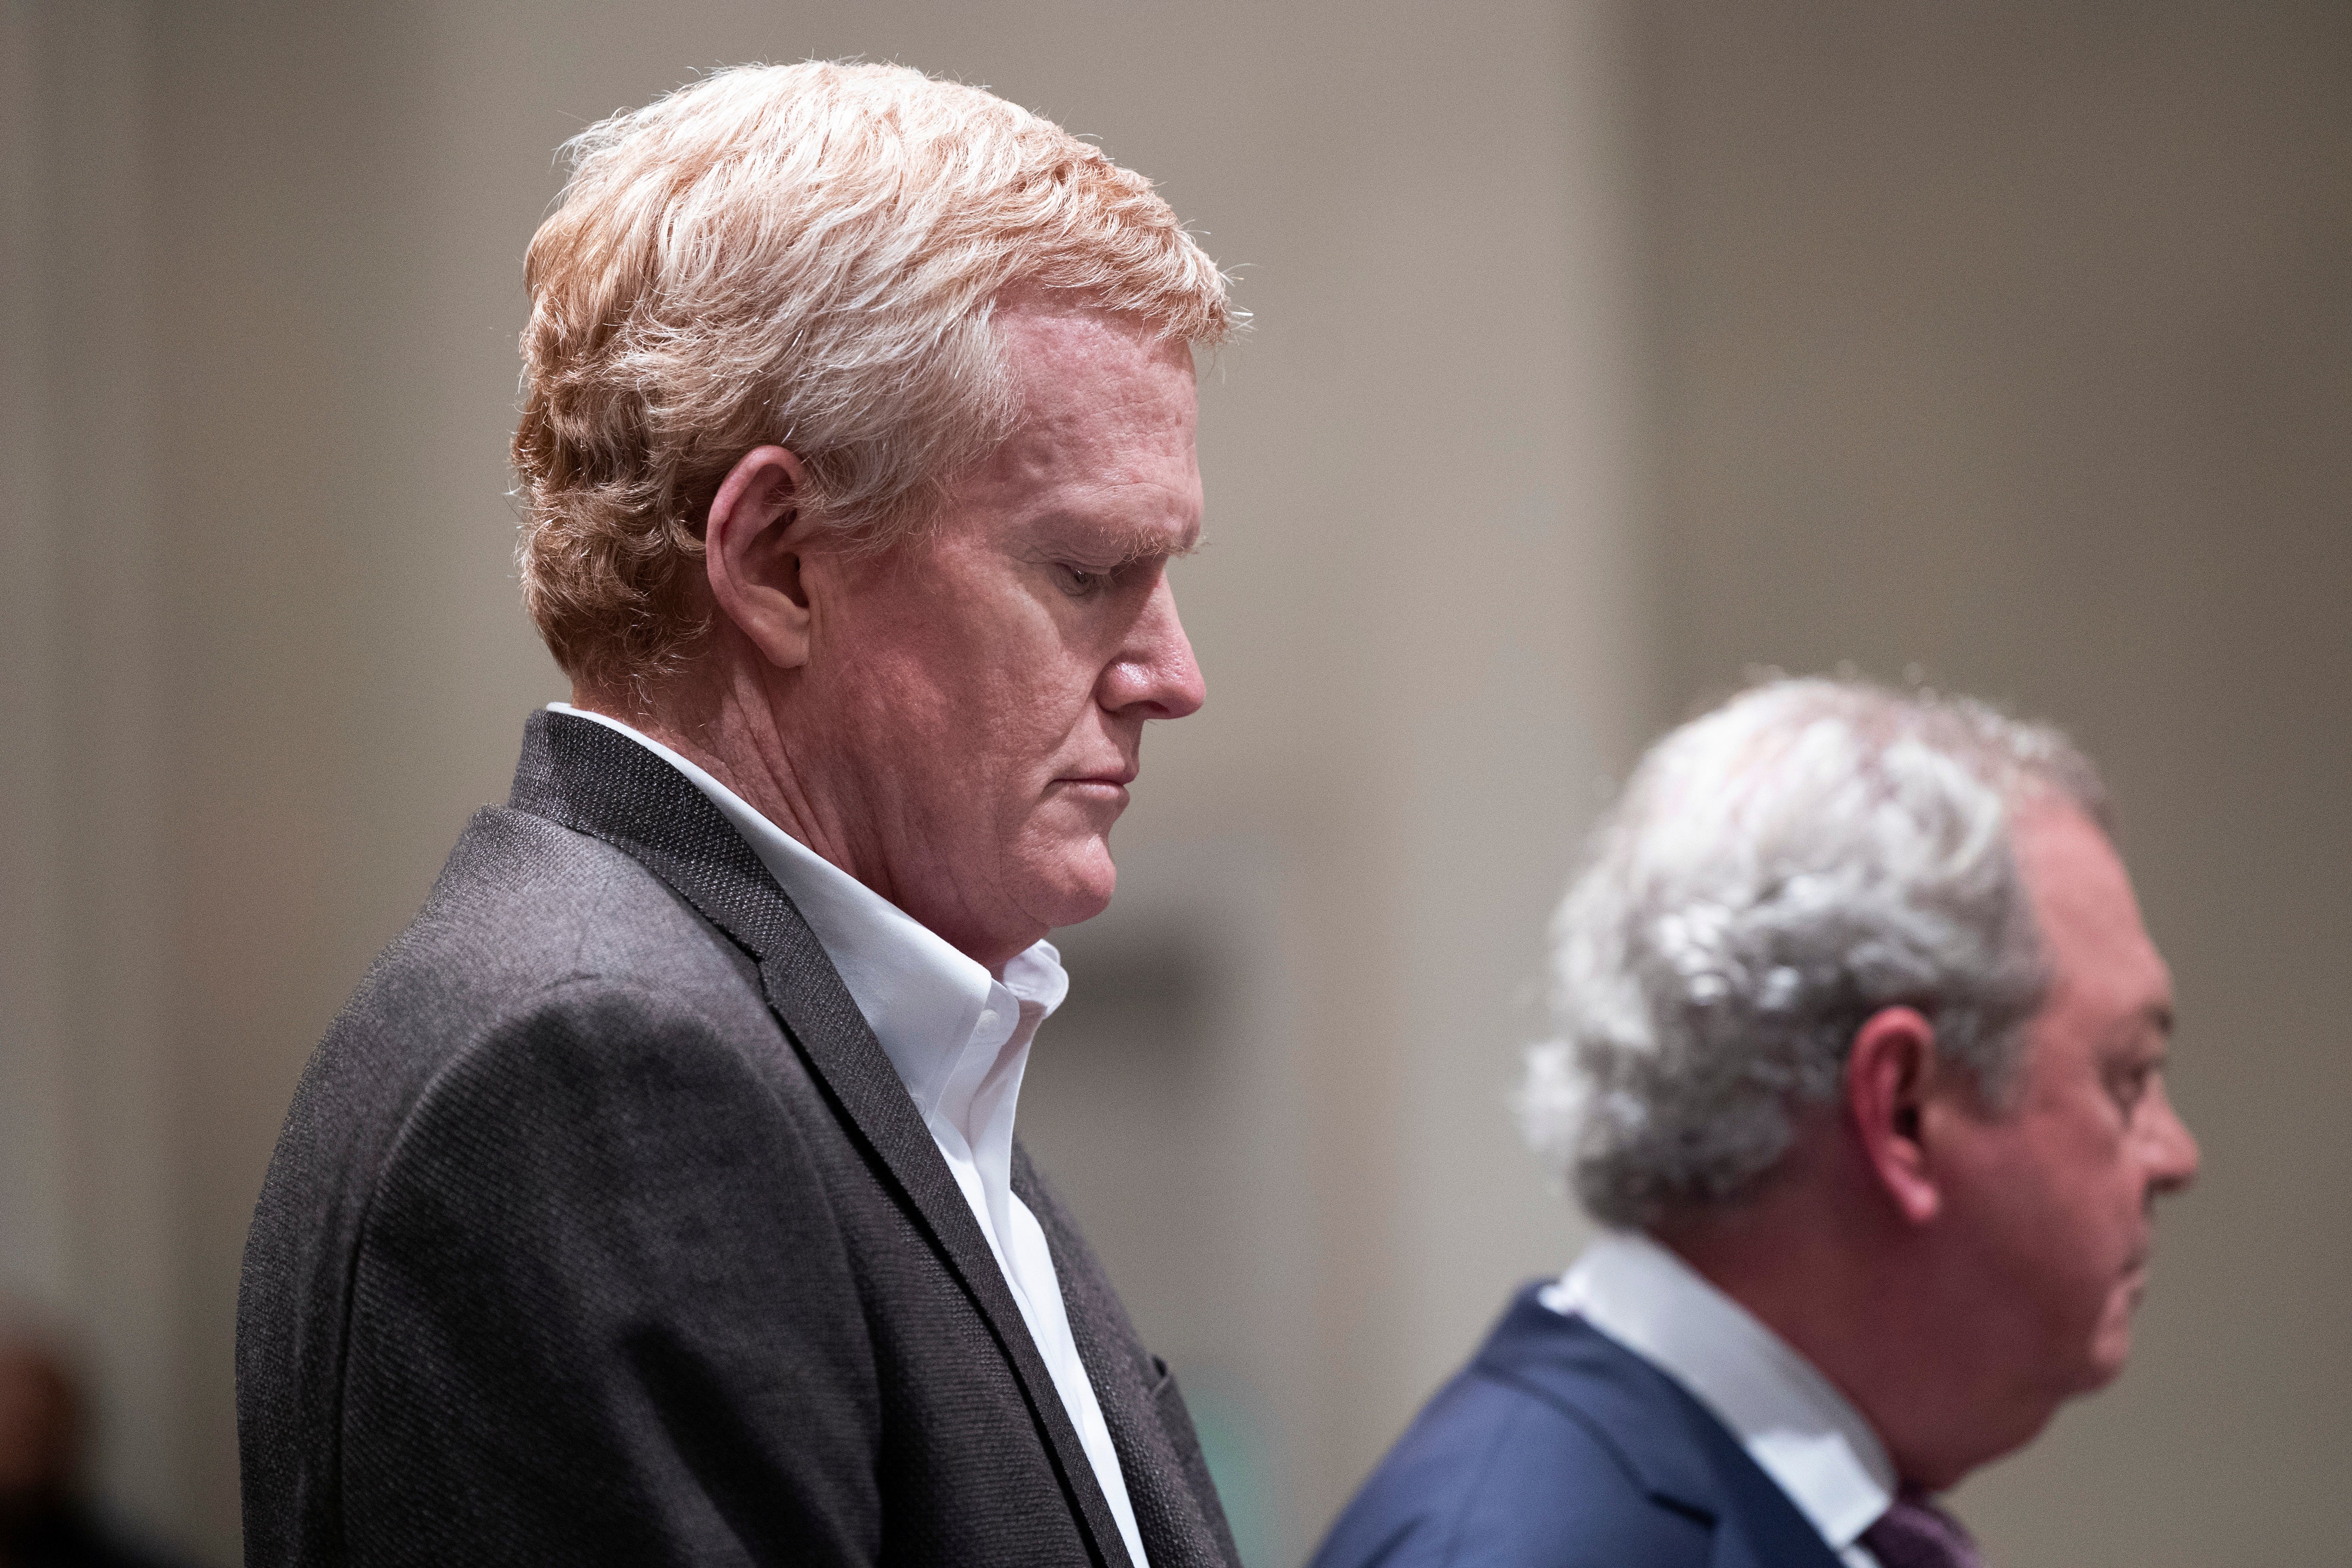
[1558, 1447]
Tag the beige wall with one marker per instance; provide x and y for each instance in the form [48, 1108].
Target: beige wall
[87, 1119]
[2014, 341]
[2003, 342]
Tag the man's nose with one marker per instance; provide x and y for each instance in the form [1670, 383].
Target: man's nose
[2173, 1156]
[1155, 671]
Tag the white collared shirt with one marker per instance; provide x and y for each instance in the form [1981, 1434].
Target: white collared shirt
[959, 1040]
[1793, 1423]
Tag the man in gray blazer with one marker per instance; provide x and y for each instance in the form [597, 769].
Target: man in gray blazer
[655, 1200]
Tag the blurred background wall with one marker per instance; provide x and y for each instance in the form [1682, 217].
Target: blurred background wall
[1603, 352]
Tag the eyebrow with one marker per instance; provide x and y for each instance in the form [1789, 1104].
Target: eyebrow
[2126, 1034]
[1131, 542]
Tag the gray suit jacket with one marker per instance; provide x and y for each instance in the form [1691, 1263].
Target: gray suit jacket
[602, 1231]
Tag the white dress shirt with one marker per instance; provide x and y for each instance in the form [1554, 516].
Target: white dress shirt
[1793, 1423]
[959, 1040]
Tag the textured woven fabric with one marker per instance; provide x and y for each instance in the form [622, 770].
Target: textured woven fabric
[602, 1232]
[1914, 1534]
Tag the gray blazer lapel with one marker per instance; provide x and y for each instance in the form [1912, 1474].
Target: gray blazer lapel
[1176, 1507]
[577, 773]
[817, 1008]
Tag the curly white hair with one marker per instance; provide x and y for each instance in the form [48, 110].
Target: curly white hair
[1776, 871]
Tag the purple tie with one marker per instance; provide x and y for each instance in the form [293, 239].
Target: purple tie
[1914, 1534]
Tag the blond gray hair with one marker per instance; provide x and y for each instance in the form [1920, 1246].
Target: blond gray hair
[1777, 871]
[809, 256]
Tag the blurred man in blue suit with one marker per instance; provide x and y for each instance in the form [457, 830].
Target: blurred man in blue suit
[1862, 1070]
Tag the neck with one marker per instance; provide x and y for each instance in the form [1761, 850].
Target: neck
[732, 736]
[736, 719]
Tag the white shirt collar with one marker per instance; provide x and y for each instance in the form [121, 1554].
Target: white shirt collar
[958, 1037]
[1791, 1420]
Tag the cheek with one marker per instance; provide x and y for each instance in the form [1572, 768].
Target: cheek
[975, 761]
[947, 699]
[2080, 1259]
[2043, 1243]
[1009, 671]
[971, 696]
[2053, 1233]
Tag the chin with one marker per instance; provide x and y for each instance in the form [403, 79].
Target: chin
[2110, 1347]
[2109, 1357]
[1078, 888]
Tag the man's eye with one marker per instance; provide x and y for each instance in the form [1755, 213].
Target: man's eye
[1082, 580]
[2129, 1086]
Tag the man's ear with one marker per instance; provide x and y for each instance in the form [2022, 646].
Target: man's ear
[1888, 1074]
[752, 548]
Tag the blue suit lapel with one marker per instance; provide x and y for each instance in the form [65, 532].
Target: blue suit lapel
[1687, 1460]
